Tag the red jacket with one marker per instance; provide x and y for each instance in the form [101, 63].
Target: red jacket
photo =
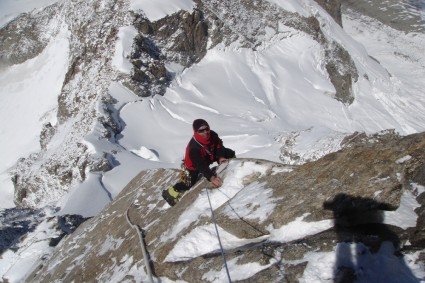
[200, 155]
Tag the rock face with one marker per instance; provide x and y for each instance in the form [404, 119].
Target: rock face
[45, 176]
[337, 190]
[15, 224]
[26, 36]
[153, 49]
[333, 7]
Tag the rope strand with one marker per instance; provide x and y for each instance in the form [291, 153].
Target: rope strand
[140, 233]
[218, 236]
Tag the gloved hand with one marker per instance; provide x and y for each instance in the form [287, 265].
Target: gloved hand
[216, 181]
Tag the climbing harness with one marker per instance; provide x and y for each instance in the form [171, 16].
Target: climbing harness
[185, 175]
[218, 236]
[140, 233]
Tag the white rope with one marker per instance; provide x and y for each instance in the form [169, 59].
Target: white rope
[218, 236]
[142, 244]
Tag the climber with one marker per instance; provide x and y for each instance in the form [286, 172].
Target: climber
[203, 149]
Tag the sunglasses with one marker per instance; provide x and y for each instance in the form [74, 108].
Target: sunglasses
[206, 129]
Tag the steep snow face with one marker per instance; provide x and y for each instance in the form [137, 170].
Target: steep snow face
[31, 89]
[402, 94]
[80, 108]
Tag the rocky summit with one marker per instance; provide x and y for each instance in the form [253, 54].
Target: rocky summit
[338, 200]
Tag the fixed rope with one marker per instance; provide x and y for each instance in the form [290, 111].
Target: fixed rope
[218, 236]
[142, 244]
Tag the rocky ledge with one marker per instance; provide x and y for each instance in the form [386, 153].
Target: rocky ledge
[348, 197]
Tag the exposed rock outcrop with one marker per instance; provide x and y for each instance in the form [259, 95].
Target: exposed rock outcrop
[333, 7]
[153, 49]
[45, 176]
[337, 189]
[15, 223]
[26, 36]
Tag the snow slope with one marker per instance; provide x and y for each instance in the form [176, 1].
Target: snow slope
[281, 91]
[28, 99]
[256, 100]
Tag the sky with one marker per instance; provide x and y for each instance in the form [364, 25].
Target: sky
[255, 100]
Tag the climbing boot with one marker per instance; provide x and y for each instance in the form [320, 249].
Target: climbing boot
[171, 196]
